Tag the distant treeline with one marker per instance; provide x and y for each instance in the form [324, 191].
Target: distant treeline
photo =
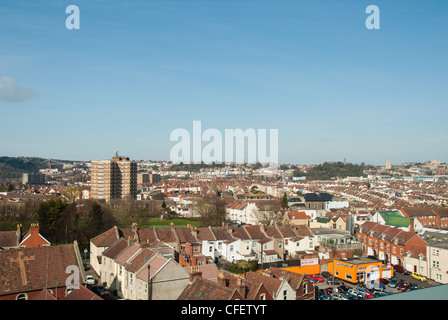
[330, 170]
[14, 167]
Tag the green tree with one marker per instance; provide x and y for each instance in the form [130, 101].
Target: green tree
[284, 202]
[49, 213]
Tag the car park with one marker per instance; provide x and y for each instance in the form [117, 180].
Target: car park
[418, 276]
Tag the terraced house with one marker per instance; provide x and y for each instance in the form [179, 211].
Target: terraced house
[196, 246]
[389, 244]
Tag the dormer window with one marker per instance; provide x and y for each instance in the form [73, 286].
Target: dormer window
[22, 296]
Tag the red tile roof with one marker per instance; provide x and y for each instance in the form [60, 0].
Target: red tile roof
[31, 269]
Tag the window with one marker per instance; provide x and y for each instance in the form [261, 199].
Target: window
[348, 276]
[263, 296]
[22, 296]
[305, 288]
[435, 264]
[285, 294]
[231, 248]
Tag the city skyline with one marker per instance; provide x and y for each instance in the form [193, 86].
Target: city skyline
[133, 73]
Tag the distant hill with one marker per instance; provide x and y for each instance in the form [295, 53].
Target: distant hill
[13, 167]
[329, 170]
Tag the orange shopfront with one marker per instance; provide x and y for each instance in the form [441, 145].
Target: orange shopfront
[357, 270]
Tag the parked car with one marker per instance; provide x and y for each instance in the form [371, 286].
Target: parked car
[365, 290]
[400, 269]
[316, 278]
[334, 282]
[383, 293]
[326, 274]
[341, 296]
[375, 285]
[355, 293]
[384, 281]
[413, 287]
[394, 282]
[328, 290]
[418, 276]
[403, 286]
[90, 280]
[344, 288]
[366, 294]
[326, 297]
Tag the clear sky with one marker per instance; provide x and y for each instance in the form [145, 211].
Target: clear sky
[136, 70]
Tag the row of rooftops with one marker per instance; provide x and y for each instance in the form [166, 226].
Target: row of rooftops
[173, 235]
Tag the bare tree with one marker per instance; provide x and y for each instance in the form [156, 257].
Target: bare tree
[268, 213]
[211, 209]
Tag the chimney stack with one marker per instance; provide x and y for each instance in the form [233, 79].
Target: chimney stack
[34, 228]
[222, 279]
[19, 233]
[411, 225]
[195, 272]
[242, 288]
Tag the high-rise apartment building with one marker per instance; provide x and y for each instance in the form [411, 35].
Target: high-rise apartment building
[113, 179]
[388, 164]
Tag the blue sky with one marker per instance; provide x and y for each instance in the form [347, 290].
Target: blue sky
[137, 70]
